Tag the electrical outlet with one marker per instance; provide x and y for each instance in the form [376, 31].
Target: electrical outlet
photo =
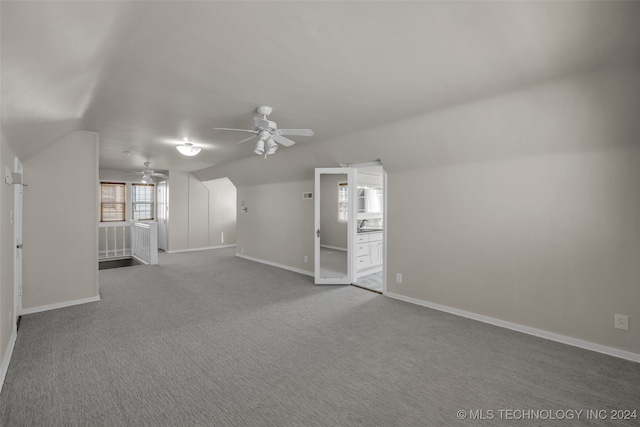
[399, 277]
[306, 258]
[622, 322]
[222, 237]
[242, 250]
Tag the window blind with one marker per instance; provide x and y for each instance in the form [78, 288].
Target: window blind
[112, 201]
[143, 201]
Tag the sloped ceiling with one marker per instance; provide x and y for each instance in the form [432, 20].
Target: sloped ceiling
[145, 75]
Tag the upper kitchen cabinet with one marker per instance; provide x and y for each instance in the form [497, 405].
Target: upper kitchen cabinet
[370, 193]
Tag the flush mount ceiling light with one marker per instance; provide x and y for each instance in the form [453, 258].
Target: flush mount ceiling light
[188, 149]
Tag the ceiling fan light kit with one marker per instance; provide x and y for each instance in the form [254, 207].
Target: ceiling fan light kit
[188, 149]
[269, 134]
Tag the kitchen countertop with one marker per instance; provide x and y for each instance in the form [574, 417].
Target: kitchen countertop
[370, 230]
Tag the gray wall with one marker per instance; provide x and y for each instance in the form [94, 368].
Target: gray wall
[278, 224]
[523, 207]
[60, 257]
[199, 212]
[222, 211]
[334, 233]
[178, 223]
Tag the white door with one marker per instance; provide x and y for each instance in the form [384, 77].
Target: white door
[333, 264]
[162, 213]
[17, 234]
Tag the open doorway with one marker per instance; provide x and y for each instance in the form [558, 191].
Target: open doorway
[370, 225]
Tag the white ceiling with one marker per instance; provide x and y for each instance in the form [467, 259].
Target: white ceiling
[147, 74]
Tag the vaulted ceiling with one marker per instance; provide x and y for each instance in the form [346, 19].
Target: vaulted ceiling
[145, 75]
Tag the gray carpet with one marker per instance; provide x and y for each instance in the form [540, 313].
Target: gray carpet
[206, 338]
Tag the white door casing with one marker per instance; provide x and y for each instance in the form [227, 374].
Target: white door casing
[17, 237]
[162, 210]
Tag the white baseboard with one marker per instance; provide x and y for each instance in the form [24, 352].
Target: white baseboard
[611, 351]
[202, 249]
[336, 248]
[275, 264]
[7, 356]
[58, 305]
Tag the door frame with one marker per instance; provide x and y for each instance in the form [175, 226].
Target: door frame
[18, 194]
[162, 186]
[351, 229]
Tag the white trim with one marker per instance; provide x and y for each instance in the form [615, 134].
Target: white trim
[140, 260]
[103, 254]
[59, 305]
[18, 231]
[117, 258]
[334, 248]
[275, 264]
[201, 249]
[611, 351]
[7, 356]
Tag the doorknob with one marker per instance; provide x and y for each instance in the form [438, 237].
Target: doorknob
[19, 246]
[318, 233]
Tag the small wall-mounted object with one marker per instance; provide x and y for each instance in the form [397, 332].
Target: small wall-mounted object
[307, 196]
[244, 209]
[14, 178]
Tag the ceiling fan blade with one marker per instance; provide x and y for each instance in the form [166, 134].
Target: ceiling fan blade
[159, 175]
[135, 173]
[298, 132]
[282, 140]
[246, 139]
[240, 130]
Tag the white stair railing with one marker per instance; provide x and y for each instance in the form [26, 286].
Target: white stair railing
[114, 240]
[144, 242]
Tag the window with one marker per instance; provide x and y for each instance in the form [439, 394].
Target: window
[343, 202]
[112, 201]
[142, 201]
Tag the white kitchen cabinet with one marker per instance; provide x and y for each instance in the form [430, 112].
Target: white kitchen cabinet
[362, 249]
[375, 253]
[369, 253]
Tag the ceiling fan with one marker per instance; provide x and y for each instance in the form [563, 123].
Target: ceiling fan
[268, 133]
[148, 174]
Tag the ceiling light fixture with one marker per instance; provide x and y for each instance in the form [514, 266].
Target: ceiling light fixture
[272, 147]
[146, 178]
[259, 147]
[188, 149]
